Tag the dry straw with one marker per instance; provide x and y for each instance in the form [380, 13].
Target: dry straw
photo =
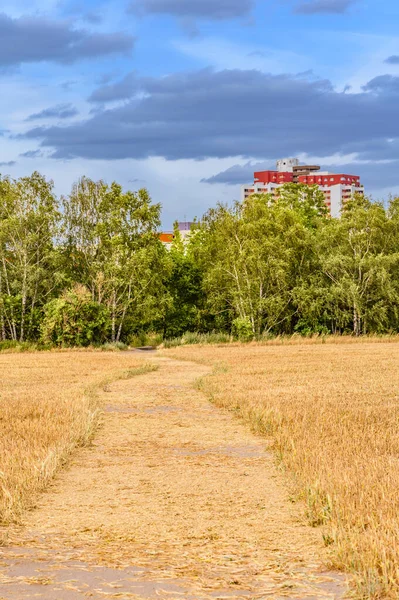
[48, 407]
[332, 411]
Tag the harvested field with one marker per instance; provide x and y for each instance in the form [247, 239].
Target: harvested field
[174, 498]
[332, 413]
[48, 407]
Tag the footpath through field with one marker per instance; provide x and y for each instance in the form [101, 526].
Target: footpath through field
[174, 499]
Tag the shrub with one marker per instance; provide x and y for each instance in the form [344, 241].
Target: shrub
[75, 319]
[14, 346]
[190, 338]
[242, 329]
[172, 343]
[307, 329]
[144, 338]
[113, 347]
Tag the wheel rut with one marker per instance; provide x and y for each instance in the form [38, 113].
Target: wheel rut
[174, 499]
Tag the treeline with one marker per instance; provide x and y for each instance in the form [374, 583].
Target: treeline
[88, 268]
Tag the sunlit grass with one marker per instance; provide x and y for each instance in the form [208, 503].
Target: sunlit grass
[332, 411]
[48, 407]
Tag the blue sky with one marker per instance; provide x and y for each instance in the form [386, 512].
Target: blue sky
[188, 97]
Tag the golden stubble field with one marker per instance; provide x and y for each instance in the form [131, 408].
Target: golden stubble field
[48, 407]
[332, 411]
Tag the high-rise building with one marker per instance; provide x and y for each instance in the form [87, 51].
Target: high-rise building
[336, 187]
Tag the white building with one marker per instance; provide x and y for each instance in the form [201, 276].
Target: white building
[336, 187]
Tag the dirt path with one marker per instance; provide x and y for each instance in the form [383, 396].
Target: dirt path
[175, 499]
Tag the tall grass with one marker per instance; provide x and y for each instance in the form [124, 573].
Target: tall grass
[48, 407]
[145, 339]
[332, 411]
[193, 338]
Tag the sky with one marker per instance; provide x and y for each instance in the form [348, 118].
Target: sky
[188, 97]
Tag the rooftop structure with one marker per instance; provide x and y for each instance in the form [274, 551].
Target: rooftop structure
[336, 187]
[167, 237]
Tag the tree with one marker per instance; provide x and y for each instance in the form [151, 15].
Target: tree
[358, 263]
[29, 221]
[252, 256]
[75, 319]
[307, 200]
[184, 289]
[111, 240]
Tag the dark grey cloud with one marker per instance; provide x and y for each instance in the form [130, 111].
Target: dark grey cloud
[66, 85]
[234, 113]
[31, 154]
[238, 174]
[120, 90]
[392, 60]
[60, 111]
[313, 7]
[193, 9]
[383, 84]
[9, 163]
[93, 17]
[35, 39]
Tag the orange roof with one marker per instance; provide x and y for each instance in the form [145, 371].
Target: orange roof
[166, 237]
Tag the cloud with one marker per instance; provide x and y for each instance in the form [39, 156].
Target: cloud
[60, 111]
[238, 174]
[229, 113]
[313, 7]
[35, 39]
[9, 163]
[93, 17]
[392, 60]
[383, 84]
[117, 91]
[217, 10]
[257, 54]
[32, 154]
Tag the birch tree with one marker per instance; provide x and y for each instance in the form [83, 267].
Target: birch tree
[253, 254]
[111, 241]
[29, 220]
[356, 258]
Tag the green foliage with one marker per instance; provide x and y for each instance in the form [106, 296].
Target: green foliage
[308, 329]
[184, 292]
[213, 337]
[29, 225]
[252, 256]
[75, 319]
[114, 347]
[14, 346]
[145, 338]
[269, 266]
[193, 338]
[111, 245]
[173, 343]
[242, 329]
